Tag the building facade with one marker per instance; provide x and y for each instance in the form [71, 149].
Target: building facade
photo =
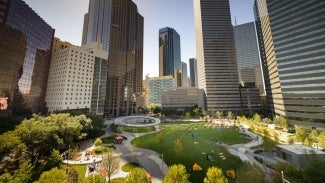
[97, 22]
[247, 54]
[291, 33]
[77, 79]
[216, 59]
[125, 64]
[193, 72]
[180, 98]
[58, 44]
[155, 87]
[250, 99]
[184, 75]
[32, 40]
[169, 52]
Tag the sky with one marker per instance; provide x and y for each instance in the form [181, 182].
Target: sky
[66, 17]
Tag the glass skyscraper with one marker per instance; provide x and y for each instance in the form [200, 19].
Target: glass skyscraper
[97, 23]
[118, 25]
[216, 59]
[25, 46]
[291, 36]
[169, 52]
[193, 72]
[247, 53]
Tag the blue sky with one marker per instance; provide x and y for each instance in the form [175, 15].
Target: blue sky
[66, 17]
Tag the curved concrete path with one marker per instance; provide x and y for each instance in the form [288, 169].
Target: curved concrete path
[147, 159]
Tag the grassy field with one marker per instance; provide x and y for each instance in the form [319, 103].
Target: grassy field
[198, 140]
[139, 129]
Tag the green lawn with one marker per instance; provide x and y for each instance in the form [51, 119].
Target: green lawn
[194, 149]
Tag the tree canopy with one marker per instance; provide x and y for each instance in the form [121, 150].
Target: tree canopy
[176, 174]
[215, 175]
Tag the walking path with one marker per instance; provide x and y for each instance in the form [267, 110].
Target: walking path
[147, 159]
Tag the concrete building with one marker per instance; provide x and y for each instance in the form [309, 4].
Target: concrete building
[292, 45]
[58, 44]
[75, 79]
[193, 72]
[250, 97]
[25, 61]
[155, 87]
[184, 75]
[216, 58]
[169, 52]
[178, 98]
[248, 57]
[298, 154]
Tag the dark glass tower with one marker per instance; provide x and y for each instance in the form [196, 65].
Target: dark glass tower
[193, 72]
[125, 63]
[293, 44]
[169, 52]
[25, 46]
[97, 23]
[216, 58]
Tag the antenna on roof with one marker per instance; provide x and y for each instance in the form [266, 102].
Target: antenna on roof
[235, 20]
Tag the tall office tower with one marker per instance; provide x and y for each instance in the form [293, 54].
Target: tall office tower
[294, 46]
[125, 64]
[193, 72]
[247, 53]
[184, 75]
[98, 22]
[58, 44]
[77, 79]
[216, 59]
[155, 87]
[26, 59]
[169, 52]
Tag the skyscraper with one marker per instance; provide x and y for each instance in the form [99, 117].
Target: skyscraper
[184, 75]
[118, 25]
[125, 63]
[97, 23]
[28, 56]
[169, 52]
[193, 72]
[291, 34]
[247, 53]
[216, 59]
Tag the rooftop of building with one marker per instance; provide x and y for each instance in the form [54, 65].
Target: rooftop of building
[300, 149]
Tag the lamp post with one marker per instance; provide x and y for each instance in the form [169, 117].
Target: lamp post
[162, 163]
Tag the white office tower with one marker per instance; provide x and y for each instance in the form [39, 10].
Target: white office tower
[71, 78]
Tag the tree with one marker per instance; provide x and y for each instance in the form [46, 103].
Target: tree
[314, 172]
[215, 175]
[290, 172]
[178, 146]
[55, 175]
[219, 115]
[187, 115]
[321, 139]
[23, 174]
[313, 136]
[137, 175]
[110, 163]
[98, 142]
[257, 118]
[176, 174]
[94, 179]
[230, 115]
[248, 173]
[301, 134]
[54, 160]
